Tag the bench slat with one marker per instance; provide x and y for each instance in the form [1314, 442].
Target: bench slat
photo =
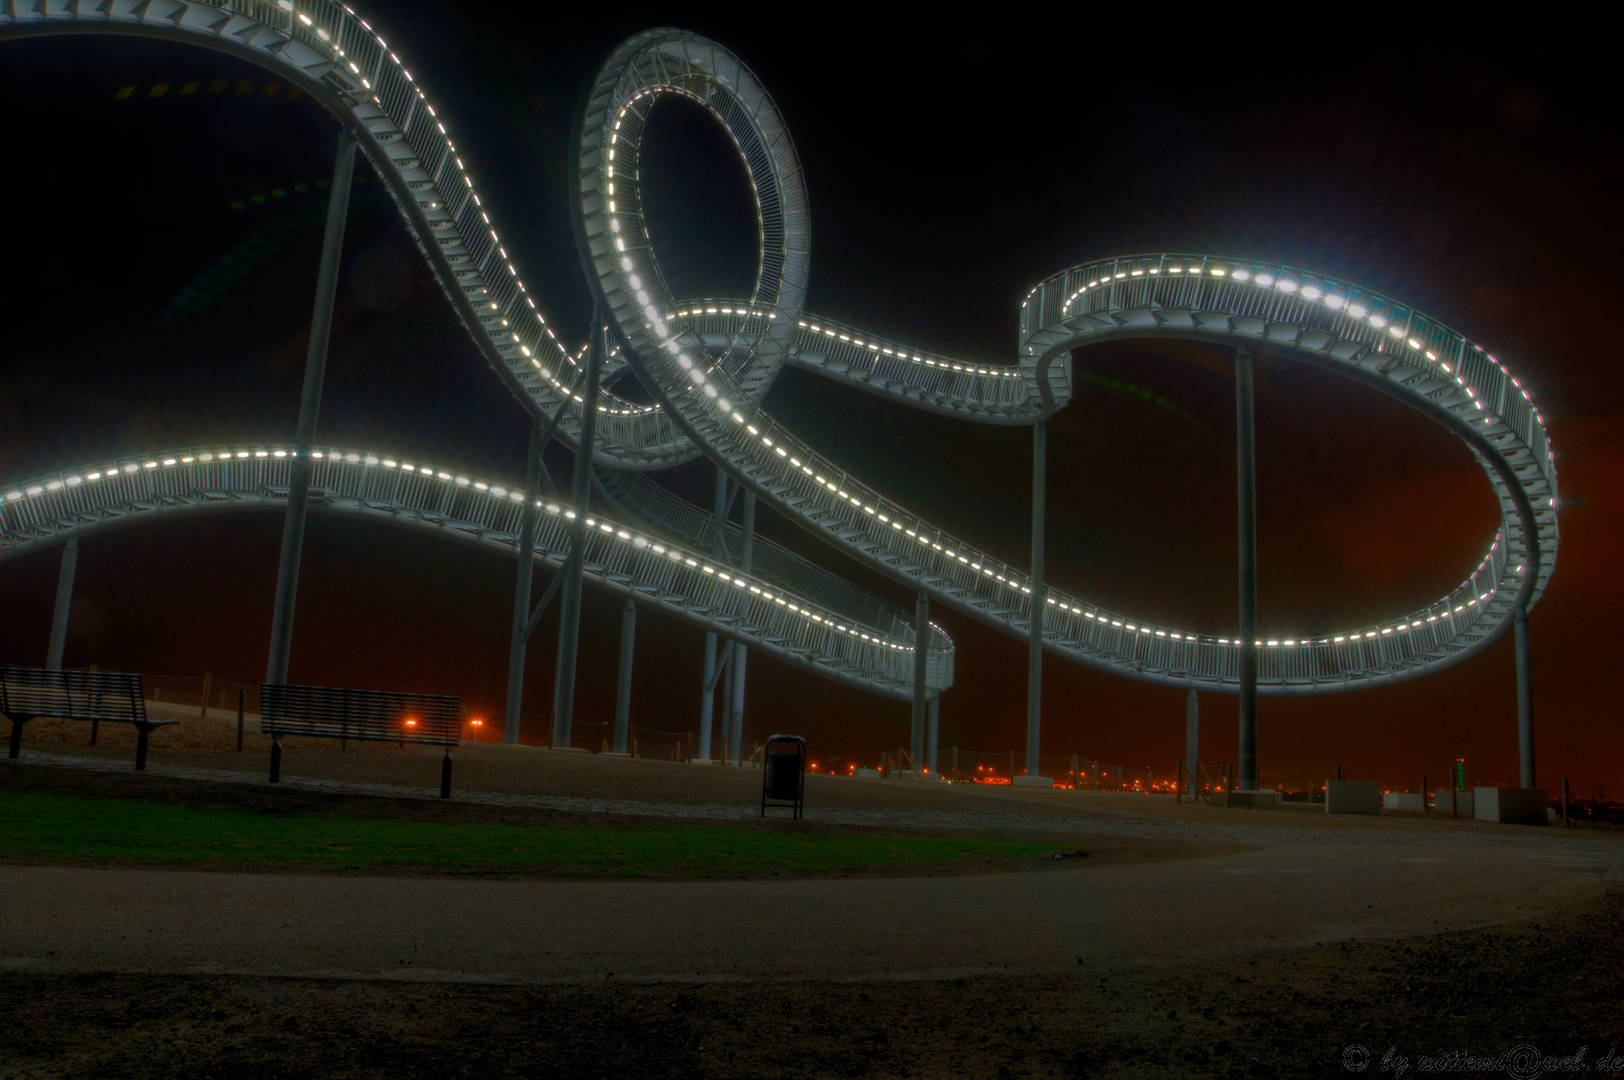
[368, 715]
[75, 695]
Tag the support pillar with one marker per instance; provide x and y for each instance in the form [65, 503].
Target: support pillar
[747, 553]
[321, 325]
[930, 735]
[64, 603]
[623, 691]
[921, 666]
[569, 616]
[707, 693]
[525, 552]
[1192, 734]
[725, 712]
[1034, 666]
[1525, 700]
[1246, 512]
[702, 746]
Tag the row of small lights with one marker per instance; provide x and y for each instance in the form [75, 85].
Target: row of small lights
[902, 354]
[874, 347]
[698, 377]
[793, 604]
[1402, 627]
[1313, 293]
[1012, 583]
[653, 319]
[1009, 582]
[555, 380]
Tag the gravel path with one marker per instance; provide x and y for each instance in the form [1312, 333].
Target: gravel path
[67, 919]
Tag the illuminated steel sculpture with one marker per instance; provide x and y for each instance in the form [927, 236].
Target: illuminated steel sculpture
[708, 363]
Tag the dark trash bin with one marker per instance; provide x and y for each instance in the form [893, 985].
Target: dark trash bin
[783, 773]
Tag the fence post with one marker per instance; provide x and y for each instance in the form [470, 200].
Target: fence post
[203, 710]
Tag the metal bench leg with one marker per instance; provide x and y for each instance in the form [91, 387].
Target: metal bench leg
[276, 759]
[445, 776]
[141, 746]
[95, 729]
[16, 737]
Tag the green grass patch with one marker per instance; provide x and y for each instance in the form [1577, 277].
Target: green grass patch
[45, 826]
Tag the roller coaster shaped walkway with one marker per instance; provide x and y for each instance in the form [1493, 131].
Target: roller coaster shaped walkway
[707, 364]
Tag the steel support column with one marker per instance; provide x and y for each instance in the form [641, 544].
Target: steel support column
[321, 325]
[623, 689]
[569, 616]
[1034, 662]
[1525, 700]
[524, 551]
[1192, 734]
[725, 717]
[747, 551]
[1246, 512]
[921, 666]
[930, 735]
[707, 692]
[64, 603]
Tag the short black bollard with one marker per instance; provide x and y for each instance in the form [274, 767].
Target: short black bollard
[143, 730]
[276, 758]
[445, 776]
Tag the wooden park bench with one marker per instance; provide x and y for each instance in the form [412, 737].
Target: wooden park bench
[97, 696]
[326, 712]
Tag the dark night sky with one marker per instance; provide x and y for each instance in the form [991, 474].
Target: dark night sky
[949, 169]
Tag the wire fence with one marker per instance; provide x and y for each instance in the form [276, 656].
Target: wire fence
[205, 695]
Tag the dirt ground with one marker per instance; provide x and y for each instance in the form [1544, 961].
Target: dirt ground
[1555, 986]
[486, 767]
[492, 767]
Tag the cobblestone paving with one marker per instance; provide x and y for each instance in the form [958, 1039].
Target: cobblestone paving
[1120, 824]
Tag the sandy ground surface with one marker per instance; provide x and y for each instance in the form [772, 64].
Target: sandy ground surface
[1248, 960]
[496, 768]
